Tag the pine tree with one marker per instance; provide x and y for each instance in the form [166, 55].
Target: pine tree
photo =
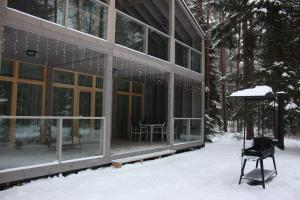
[213, 120]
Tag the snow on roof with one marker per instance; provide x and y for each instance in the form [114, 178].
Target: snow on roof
[258, 91]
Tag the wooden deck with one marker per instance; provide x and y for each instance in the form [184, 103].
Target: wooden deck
[140, 158]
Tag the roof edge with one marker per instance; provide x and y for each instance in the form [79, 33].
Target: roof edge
[192, 16]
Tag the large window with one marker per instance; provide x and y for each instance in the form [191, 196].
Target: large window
[22, 88]
[76, 94]
[158, 45]
[52, 10]
[62, 101]
[181, 55]
[196, 61]
[5, 106]
[88, 16]
[130, 33]
[129, 106]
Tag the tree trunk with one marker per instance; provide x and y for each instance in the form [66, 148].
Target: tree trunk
[222, 69]
[237, 83]
[207, 72]
[248, 58]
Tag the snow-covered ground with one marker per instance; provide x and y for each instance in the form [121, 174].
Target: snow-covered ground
[210, 173]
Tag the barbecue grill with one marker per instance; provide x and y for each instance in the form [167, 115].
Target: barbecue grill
[262, 146]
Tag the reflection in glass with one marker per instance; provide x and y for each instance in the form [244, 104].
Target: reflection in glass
[123, 85]
[31, 71]
[136, 110]
[196, 130]
[86, 143]
[181, 55]
[85, 80]
[62, 102]
[5, 105]
[29, 103]
[98, 104]
[129, 33]
[6, 68]
[51, 10]
[84, 111]
[29, 100]
[98, 108]
[195, 61]
[88, 16]
[63, 77]
[34, 143]
[181, 131]
[122, 116]
[187, 130]
[158, 45]
[99, 82]
[137, 87]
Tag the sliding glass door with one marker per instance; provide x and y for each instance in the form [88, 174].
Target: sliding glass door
[122, 116]
[29, 103]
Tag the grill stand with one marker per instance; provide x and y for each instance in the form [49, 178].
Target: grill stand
[258, 174]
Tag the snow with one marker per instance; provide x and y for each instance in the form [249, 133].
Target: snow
[285, 75]
[291, 105]
[257, 91]
[209, 173]
[276, 64]
[263, 10]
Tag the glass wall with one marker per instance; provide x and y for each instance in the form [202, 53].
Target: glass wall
[128, 107]
[130, 33]
[88, 16]
[51, 10]
[26, 149]
[87, 142]
[158, 45]
[196, 61]
[181, 55]
[77, 94]
[187, 129]
[5, 109]
[154, 13]
[24, 141]
[188, 120]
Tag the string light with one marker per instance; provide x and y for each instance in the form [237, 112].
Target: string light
[37, 45]
[3, 39]
[73, 49]
[91, 61]
[47, 49]
[64, 53]
[26, 41]
[16, 41]
[56, 49]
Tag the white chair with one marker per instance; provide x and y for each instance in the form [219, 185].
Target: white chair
[159, 130]
[138, 132]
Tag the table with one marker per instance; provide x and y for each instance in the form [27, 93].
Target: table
[151, 126]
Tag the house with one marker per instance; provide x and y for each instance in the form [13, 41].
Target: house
[85, 82]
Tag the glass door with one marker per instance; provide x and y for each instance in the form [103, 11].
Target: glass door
[136, 110]
[29, 103]
[122, 116]
[84, 109]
